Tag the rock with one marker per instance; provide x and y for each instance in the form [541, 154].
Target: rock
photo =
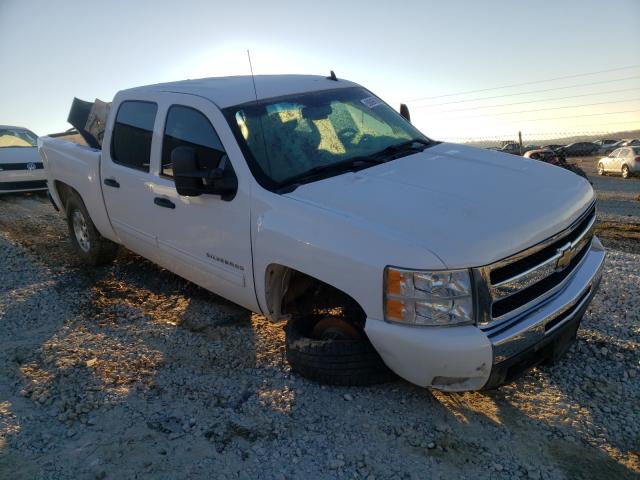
[92, 362]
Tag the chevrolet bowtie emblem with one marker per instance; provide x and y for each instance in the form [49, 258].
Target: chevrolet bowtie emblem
[566, 255]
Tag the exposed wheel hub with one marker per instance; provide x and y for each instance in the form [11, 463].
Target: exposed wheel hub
[335, 328]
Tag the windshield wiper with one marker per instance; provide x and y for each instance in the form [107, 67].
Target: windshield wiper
[414, 145]
[348, 165]
[355, 163]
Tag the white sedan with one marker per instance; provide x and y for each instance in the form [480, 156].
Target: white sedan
[21, 168]
[625, 161]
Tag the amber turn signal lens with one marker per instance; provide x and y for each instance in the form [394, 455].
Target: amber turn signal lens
[394, 277]
[394, 309]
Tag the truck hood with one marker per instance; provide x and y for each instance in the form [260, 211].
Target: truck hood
[468, 206]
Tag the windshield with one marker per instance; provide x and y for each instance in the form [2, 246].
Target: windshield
[17, 137]
[315, 131]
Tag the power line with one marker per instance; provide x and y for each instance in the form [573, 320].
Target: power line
[603, 131]
[578, 116]
[541, 109]
[466, 109]
[526, 83]
[530, 91]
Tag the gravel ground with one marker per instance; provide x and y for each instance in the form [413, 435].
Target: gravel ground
[128, 371]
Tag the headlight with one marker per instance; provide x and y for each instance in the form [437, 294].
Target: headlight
[436, 298]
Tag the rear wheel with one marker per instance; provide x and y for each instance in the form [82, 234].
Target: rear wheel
[92, 248]
[625, 172]
[330, 350]
[600, 169]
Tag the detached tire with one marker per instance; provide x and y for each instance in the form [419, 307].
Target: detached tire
[92, 248]
[332, 361]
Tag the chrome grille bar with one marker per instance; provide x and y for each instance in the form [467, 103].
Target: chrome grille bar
[533, 275]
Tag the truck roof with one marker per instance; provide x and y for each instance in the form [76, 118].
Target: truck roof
[228, 91]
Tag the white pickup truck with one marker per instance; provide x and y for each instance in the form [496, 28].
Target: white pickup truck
[309, 199]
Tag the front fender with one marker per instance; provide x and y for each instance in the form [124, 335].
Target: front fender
[341, 252]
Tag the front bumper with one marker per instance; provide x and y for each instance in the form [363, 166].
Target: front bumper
[468, 358]
[22, 180]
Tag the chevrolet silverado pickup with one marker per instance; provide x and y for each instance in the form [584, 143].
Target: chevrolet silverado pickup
[310, 200]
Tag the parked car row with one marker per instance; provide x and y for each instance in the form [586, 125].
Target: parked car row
[576, 149]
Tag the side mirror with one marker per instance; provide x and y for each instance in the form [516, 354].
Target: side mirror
[192, 181]
[185, 166]
[404, 111]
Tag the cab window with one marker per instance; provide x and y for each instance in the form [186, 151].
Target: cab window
[132, 133]
[186, 126]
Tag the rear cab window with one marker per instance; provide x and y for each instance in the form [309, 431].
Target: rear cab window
[133, 133]
[186, 126]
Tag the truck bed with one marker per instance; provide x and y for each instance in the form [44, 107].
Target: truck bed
[78, 167]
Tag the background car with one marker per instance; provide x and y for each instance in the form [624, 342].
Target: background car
[549, 156]
[528, 148]
[21, 168]
[605, 144]
[553, 147]
[512, 148]
[578, 149]
[544, 154]
[625, 161]
[620, 143]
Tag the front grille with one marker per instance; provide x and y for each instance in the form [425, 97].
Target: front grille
[522, 297]
[20, 166]
[525, 280]
[32, 185]
[512, 269]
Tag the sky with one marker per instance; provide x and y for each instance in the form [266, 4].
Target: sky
[423, 53]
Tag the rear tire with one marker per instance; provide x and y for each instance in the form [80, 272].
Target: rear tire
[625, 172]
[347, 362]
[92, 248]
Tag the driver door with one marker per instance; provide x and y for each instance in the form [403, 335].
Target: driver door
[202, 238]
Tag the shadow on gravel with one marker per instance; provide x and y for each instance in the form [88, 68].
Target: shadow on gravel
[524, 435]
[128, 331]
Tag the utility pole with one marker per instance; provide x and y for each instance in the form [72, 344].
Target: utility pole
[520, 142]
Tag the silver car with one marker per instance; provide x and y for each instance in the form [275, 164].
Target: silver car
[21, 168]
[625, 161]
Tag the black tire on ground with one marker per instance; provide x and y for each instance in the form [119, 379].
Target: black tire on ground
[332, 362]
[92, 248]
[625, 172]
[600, 169]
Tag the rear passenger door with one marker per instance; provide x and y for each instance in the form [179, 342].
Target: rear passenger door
[126, 174]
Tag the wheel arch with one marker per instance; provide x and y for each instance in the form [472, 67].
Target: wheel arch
[62, 192]
[94, 204]
[288, 290]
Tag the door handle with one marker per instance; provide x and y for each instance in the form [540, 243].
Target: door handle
[111, 182]
[164, 202]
